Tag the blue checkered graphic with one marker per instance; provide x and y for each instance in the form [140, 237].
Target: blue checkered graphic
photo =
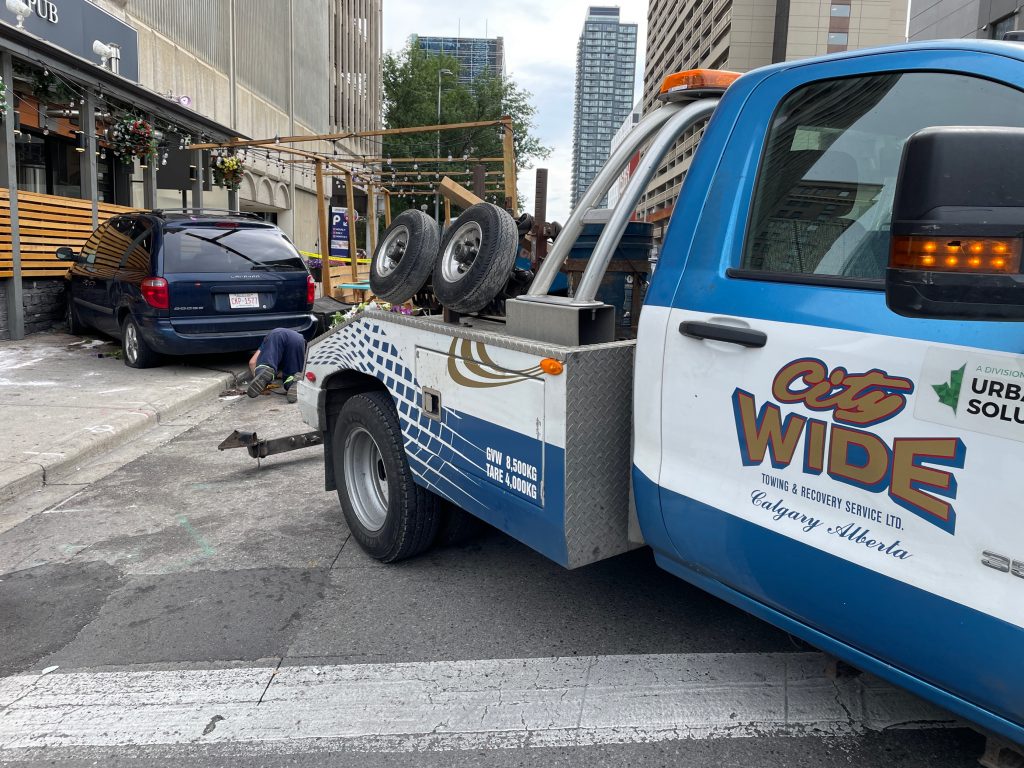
[431, 446]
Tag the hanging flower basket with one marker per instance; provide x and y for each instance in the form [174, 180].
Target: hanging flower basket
[3, 98]
[227, 172]
[132, 137]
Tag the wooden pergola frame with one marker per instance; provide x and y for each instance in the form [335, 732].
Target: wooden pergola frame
[329, 166]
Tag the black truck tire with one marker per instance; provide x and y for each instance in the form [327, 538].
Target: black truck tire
[477, 255]
[405, 257]
[390, 516]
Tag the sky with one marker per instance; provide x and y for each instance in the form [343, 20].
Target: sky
[540, 55]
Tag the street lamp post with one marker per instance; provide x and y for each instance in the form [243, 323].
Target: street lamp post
[437, 197]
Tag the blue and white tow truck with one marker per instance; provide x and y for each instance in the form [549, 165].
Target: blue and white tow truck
[821, 418]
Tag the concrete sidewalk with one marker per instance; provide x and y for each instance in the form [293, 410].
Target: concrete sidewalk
[65, 399]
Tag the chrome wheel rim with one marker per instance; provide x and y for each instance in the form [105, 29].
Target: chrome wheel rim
[366, 479]
[392, 250]
[461, 252]
[131, 343]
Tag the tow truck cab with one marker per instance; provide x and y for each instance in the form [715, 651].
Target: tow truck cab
[849, 477]
[826, 421]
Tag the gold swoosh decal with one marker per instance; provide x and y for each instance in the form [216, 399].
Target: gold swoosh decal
[497, 378]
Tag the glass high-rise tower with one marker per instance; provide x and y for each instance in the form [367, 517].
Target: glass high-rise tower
[605, 69]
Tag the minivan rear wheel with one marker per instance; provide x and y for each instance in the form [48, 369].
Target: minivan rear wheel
[137, 353]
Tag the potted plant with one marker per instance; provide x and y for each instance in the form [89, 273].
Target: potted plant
[227, 172]
[132, 137]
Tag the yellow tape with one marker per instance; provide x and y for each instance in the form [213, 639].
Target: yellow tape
[341, 259]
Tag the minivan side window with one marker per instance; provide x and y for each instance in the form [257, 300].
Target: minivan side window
[822, 201]
[114, 241]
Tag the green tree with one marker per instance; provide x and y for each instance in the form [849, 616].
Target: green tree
[410, 79]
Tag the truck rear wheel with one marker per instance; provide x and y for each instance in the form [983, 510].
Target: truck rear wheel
[477, 255]
[390, 516]
[405, 257]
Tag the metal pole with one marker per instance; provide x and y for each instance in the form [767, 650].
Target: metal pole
[149, 178]
[437, 198]
[197, 183]
[15, 296]
[149, 184]
[90, 183]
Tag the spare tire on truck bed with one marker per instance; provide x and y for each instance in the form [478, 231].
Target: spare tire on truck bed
[477, 255]
[405, 257]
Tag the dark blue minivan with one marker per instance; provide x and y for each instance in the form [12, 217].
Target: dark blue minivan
[187, 282]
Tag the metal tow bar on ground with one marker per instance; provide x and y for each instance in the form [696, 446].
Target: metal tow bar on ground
[260, 449]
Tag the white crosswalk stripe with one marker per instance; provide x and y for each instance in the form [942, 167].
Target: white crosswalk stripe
[447, 705]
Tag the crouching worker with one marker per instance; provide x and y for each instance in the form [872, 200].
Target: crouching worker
[283, 351]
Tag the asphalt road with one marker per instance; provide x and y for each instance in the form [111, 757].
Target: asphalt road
[192, 608]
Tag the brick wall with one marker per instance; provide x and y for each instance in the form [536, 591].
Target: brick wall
[43, 299]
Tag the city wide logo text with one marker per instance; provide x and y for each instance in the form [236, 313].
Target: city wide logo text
[909, 470]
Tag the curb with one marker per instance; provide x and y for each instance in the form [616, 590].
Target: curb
[14, 481]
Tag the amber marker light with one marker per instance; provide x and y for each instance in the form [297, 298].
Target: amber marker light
[972, 254]
[551, 366]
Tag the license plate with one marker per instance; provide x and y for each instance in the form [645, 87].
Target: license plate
[243, 300]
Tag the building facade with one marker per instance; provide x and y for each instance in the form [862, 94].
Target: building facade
[984, 19]
[475, 55]
[266, 68]
[76, 72]
[605, 70]
[741, 35]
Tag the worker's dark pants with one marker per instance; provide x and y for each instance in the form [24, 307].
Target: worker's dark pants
[283, 350]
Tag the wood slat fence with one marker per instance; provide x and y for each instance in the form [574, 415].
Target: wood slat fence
[46, 222]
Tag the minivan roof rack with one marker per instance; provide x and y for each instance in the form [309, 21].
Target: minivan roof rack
[202, 211]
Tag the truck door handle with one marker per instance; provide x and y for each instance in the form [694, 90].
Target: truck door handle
[745, 337]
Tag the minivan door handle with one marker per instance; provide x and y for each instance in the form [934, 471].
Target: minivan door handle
[745, 337]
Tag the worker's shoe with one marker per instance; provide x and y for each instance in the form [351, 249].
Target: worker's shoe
[261, 380]
[291, 389]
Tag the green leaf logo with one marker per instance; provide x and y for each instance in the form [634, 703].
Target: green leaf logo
[949, 393]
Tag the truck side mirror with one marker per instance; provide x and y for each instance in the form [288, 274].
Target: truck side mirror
[66, 254]
[958, 225]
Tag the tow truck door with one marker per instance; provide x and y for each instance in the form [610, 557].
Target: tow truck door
[811, 459]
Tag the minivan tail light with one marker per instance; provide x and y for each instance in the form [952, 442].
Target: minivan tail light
[310, 290]
[154, 291]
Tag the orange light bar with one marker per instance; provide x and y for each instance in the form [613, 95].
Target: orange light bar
[696, 80]
[979, 255]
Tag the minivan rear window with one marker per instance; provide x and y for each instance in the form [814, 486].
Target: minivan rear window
[224, 249]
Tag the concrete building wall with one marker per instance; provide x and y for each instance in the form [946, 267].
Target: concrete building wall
[943, 19]
[265, 68]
